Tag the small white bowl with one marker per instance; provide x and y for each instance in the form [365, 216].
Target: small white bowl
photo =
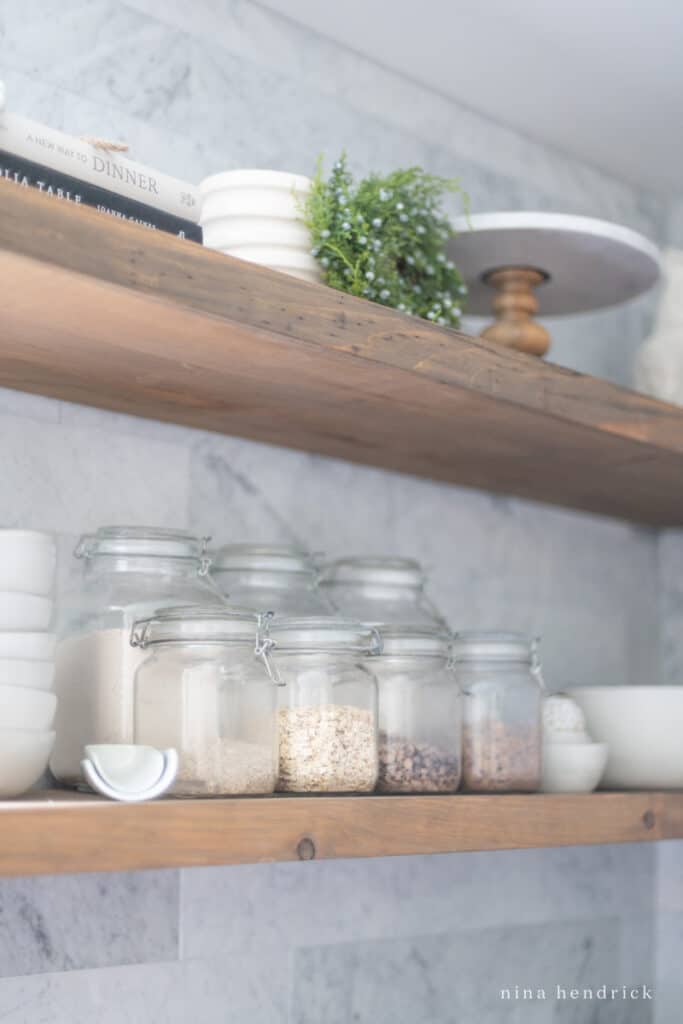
[22, 708]
[27, 561]
[36, 675]
[28, 646]
[643, 728]
[23, 759]
[573, 767]
[24, 611]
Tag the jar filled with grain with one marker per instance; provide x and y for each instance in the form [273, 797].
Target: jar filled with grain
[328, 704]
[419, 712]
[499, 675]
[269, 578]
[127, 572]
[379, 590]
[203, 690]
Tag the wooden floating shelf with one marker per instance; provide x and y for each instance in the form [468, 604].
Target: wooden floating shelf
[57, 832]
[105, 313]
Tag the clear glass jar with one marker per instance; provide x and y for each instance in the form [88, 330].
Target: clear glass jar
[380, 590]
[420, 726]
[128, 572]
[328, 704]
[269, 578]
[202, 690]
[499, 675]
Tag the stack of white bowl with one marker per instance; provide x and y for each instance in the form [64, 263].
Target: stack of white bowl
[256, 216]
[27, 649]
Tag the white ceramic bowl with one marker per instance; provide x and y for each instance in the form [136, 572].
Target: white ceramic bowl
[24, 611]
[643, 728]
[22, 708]
[36, 675]
[23, 759]
[27, 561]
[28, 646]
[573, 767]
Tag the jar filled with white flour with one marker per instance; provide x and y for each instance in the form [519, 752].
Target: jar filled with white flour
[204, 690]
[128, 572]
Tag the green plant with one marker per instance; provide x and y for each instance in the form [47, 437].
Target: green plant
[384, 238]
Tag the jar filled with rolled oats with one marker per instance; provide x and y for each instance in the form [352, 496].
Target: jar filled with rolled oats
[327, 716]
[500, 679]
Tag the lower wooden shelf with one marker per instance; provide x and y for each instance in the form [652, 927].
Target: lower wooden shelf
[55, 832]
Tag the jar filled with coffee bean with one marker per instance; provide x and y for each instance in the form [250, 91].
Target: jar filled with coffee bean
[419, 712]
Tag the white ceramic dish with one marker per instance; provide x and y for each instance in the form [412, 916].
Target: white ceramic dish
[573, 767]
[23, 759]
[22, 708]
[27, 561]
[129, 772]
[36, 675]
[28, 646]
[24, 611]
[643, 728]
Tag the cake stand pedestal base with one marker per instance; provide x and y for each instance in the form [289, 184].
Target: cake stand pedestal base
[514, 306]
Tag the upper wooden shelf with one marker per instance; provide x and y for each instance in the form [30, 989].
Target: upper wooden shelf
[58, 832]
[105, 313]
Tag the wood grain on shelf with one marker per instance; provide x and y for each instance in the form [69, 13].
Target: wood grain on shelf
[98, 311]
[57, 833]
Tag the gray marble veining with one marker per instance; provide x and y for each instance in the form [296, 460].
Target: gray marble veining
[234, 990]
[71, 922]
[479, 977]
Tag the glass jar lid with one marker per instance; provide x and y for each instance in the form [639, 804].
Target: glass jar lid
[219, 624]
[322, 633]
[414, 641]
[396, 572]
[262, 558]
[493, 646]
[136, 541]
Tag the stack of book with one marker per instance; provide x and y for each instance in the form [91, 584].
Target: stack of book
[80, 172]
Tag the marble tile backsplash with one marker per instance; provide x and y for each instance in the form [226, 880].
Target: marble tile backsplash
[195, 88]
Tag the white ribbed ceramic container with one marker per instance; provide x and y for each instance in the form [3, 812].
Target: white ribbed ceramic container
[255, 215]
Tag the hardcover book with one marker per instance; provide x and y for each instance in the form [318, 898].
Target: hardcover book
[87, 163]
[27, 174]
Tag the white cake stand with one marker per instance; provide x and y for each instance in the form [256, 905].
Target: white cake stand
[577, 263]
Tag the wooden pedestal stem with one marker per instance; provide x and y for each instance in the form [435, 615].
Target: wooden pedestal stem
[514, 306]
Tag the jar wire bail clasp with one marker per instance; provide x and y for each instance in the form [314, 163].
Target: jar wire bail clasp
[85, 546]
[139, 634]
[536, 666]
[205, 561]
[376, 643]
[263, 647]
